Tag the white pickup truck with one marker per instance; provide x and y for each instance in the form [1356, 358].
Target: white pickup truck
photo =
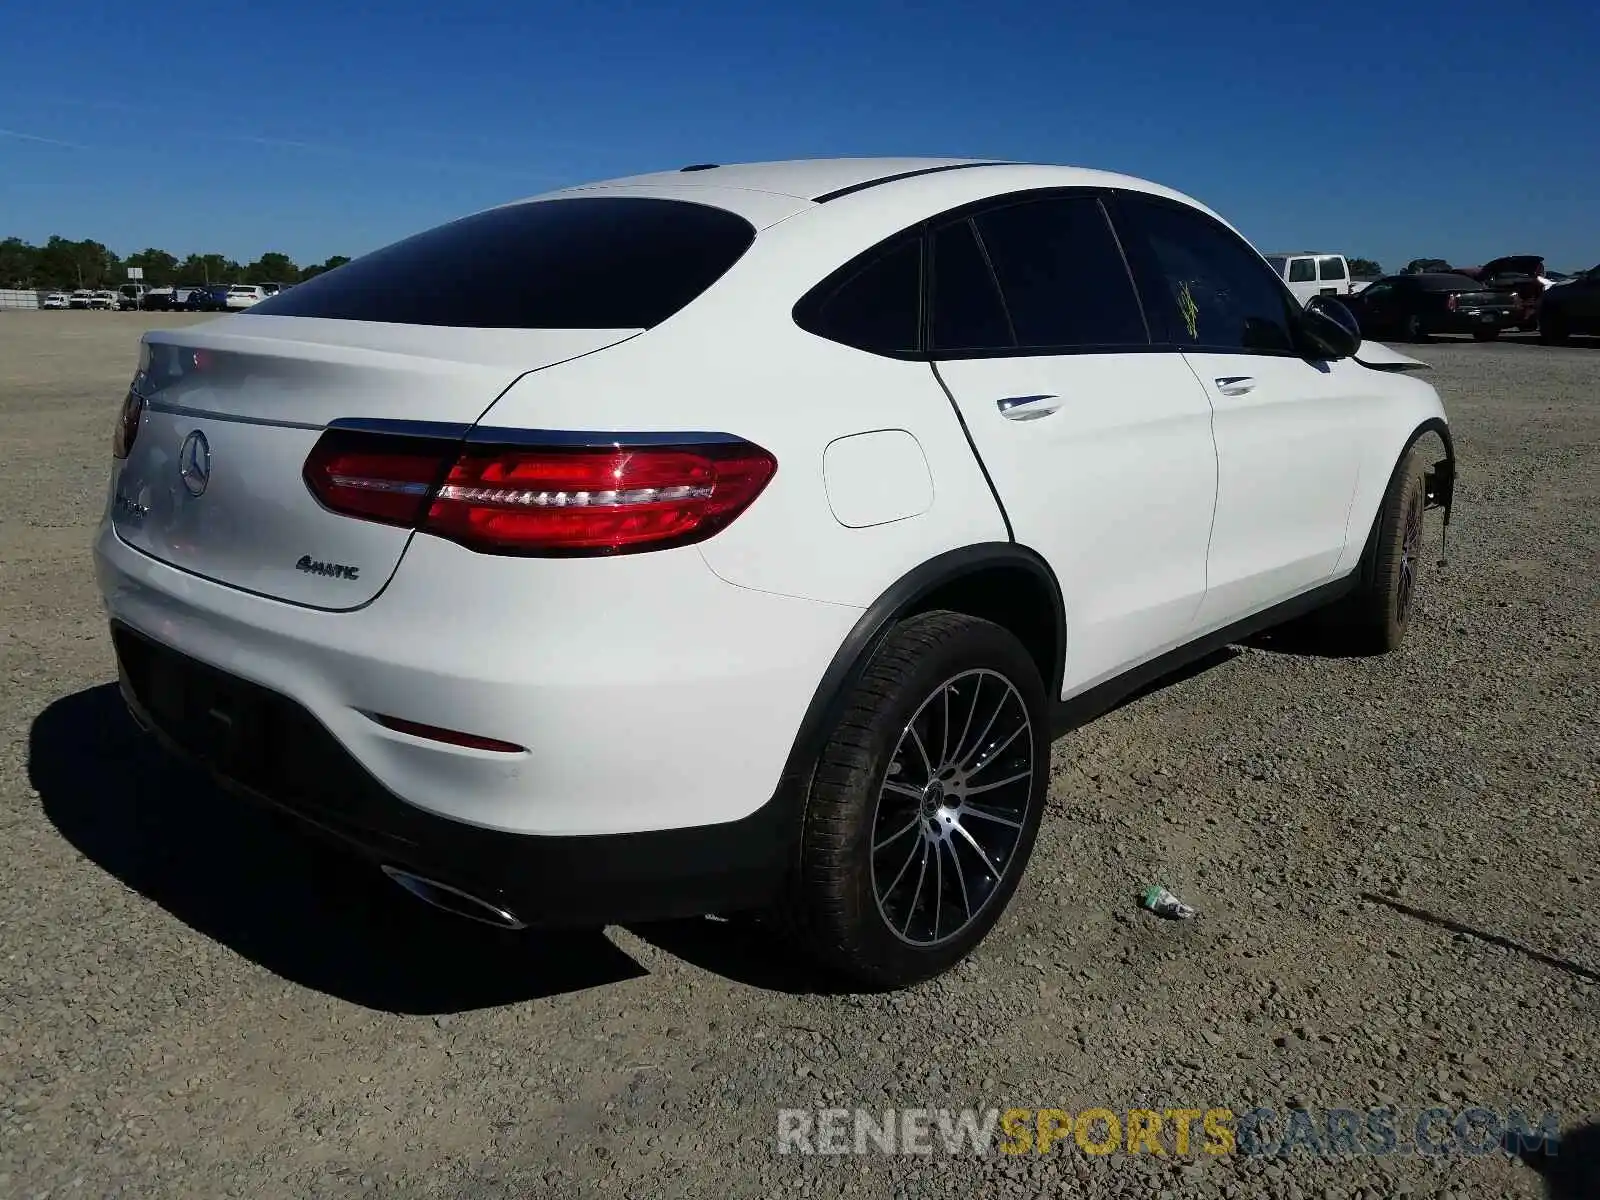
[1314, 273]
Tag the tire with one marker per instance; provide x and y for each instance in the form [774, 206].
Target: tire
[1373, 619]
[851, 902]
[1485, 335]
[1553, 330]
[1414, 330]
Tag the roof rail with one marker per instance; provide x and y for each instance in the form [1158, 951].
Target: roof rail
[700, 167]
[870, 183]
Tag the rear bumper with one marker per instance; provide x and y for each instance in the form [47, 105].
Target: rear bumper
[648, 695]
[1468, 320]
[280, 756]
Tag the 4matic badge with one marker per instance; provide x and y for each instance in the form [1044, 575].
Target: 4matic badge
[333, 570]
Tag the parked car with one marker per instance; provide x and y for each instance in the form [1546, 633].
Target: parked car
[159, 299]
[82, 298]
[774, 649]
[1311, 274]
[1417, 306]
[1523, 274]
[210, 298]
[131, 296]
[1573, 307]
[103, 299]
[56, 300]
[243, 295]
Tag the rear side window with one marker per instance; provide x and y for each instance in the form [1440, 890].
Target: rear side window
[593, 262]
[967, 311]
[878, 308]
[1332, 267]
[1302, 270]
[1062, 274]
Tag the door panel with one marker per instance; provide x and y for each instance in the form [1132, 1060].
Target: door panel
[1286, 439]
[1114, 489]
[1286, 454]
[1099, 447]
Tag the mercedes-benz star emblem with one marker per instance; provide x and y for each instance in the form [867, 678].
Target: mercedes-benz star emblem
[194, 462]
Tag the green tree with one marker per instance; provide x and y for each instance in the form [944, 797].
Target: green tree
[272, 267]
[1365, 268]
[338, 260]
[159, 266]
[19, 263]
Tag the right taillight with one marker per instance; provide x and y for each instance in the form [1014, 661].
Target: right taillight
[1450, 302]
[542, 500]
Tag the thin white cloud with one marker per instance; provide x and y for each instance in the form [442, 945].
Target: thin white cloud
[47, 141]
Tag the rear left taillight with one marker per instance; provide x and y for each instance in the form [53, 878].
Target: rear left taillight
[1450, 302]
[542, 500]
[127, 428]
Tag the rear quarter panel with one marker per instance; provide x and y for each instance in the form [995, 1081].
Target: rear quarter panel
[735, 362]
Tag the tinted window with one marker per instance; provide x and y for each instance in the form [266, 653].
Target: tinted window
[1213, 289]
[1277, 262]
[589, 263]
[1302, 270]
[1332, 268]
[1448, 283]
[967, 313]
[1062, 274]
[879, 307]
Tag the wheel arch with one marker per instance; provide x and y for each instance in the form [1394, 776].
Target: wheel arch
[1440, 483]
[998, 581]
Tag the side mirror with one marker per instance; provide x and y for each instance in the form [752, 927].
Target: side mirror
[1329, 328]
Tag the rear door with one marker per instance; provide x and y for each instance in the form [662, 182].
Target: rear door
[1286, 428]
[1099, 447]
[1333, 275]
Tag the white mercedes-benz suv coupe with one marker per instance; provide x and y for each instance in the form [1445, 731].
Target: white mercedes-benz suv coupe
[736, 539]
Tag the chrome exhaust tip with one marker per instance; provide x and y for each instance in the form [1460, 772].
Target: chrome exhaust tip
[453, 899]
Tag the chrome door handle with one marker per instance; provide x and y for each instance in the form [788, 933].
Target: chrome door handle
[1235, 385]
[1028, 408]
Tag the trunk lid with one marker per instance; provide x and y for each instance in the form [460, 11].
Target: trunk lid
[1487, 299]
[213, 483]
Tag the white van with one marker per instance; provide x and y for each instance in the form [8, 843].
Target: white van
[1309, 273]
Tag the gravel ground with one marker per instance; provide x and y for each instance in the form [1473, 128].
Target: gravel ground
[194, 1002]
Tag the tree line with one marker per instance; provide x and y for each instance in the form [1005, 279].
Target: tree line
[62, 265]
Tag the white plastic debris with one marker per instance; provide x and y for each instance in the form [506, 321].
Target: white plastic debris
[1164, 904]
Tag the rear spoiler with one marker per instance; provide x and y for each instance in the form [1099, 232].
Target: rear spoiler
[1380, 358]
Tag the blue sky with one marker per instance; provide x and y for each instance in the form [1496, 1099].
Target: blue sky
[1390, 130]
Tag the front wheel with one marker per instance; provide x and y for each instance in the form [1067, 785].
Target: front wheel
[1414, 330]
[1485, 335]
[925, 803]
[1553, 330]
[1374, 618]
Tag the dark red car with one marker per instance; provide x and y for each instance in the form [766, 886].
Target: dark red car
[1523, 274]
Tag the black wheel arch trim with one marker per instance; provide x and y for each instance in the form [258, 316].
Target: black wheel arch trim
[875, 624]
[1440, 485]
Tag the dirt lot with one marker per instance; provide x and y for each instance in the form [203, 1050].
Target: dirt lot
[193, 1002]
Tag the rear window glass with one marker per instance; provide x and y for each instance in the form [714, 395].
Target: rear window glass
[1277, 262]
[1302, 270]
[594, 262]
[967, 310]
[1448, 283]
[1333, 268]
[1062, 274]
